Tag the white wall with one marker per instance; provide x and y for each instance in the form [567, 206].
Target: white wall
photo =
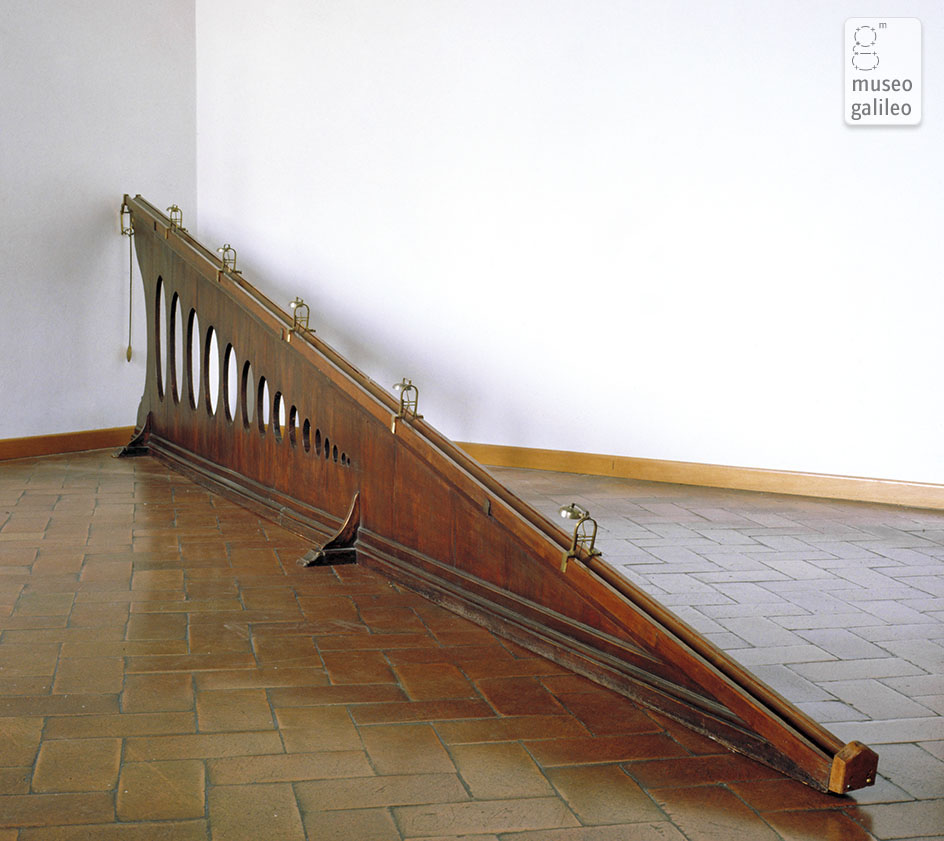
[97, 99]
[633, 228]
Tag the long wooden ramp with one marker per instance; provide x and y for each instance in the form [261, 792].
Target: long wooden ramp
[242, 397]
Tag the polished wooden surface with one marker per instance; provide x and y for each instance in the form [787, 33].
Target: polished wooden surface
[429, 516]
[63, 442]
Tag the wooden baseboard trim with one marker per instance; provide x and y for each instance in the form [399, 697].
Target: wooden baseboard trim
[886, 491]
[64, 442]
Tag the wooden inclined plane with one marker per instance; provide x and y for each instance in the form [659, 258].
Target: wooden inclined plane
[300, 435]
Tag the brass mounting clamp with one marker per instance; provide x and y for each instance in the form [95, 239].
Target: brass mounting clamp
[228, 258]
[585, 533]
[409, 399]
[176, 217]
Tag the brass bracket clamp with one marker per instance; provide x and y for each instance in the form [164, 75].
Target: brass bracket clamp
[176, 217]
[409, 400]
[300, 315]
[126, 219]
[585, 533]
[228, 258]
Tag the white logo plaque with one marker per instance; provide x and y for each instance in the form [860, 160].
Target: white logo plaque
[882, 58]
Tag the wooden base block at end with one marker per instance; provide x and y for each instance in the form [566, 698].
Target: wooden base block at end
[853, 767]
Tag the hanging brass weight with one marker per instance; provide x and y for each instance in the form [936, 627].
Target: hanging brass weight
[127, 230]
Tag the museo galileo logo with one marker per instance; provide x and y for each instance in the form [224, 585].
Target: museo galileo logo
[883, 71]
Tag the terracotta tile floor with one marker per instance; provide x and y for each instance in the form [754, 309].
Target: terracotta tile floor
[168, 672]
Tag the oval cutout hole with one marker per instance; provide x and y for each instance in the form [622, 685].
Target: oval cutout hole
[293, 426]
[176, 346]
[193, 359]
[262, 405]
[161, 348]
[211, 371]
[278, 415]
[230, 382]
[247, 396]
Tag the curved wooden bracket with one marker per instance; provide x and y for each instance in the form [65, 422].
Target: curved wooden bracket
[138, 445]
[340, 549]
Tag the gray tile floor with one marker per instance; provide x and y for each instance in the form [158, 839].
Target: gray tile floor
[837, 605]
